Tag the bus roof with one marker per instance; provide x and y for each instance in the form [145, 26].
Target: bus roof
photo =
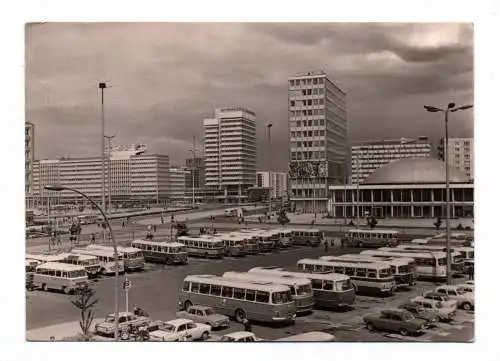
[383, 231]
[313, 230]
[343, 263]
[44, 257]
[61, 266]
[98, 252]
[282, 273]
[80, 256]
[364, 258]
[414, 253]
[153, 243]
[259, 286]
[195, 238]
[391, 258]
[252, 277]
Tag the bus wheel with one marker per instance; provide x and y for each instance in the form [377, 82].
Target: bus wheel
[360, 244]
[169, 261]
[65, 290]
[187, 305]
[467, 306]
[240, 315]
[44, 287]
[403, 332]
[370, 327]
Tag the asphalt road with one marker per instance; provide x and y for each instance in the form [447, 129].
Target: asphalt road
[156, 290]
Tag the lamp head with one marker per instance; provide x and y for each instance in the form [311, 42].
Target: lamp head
[54, 187]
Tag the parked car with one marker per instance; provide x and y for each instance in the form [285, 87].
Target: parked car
[241, 336]
[395, 320]
[467, 287]
[445, 314]
[420, 312]
[181, 329]
[464, 299]
[206, 315]
[444, 299]
[125, 319]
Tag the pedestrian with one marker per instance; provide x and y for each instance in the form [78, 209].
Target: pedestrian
[92, 240]
[123, 224]
[247, 326]
[326, 245]
[215, 231]
[154, 227]
[59, 243]
[342, 242]
[162, 220]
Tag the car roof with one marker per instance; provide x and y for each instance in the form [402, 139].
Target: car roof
[240, 334]
[120, 314]
[179, 321]
[200, 307]
[447, 287]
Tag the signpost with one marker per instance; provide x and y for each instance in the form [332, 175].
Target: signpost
[126, 286]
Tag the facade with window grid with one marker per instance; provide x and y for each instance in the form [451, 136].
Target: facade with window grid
[318, 139]
[461, 154]
[29, 158]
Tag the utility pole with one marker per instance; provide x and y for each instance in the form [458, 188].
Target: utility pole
[109, 137]
[102, 86]
[193, 151]
[269, 125]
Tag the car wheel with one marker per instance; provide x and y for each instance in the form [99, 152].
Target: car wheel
[187, 305]
[44, 287]
[65, 290]
[169, 262]
[370, 327]
[467, 306]
[240, 315]
[360, 244]
[205, 335]
[404, 332]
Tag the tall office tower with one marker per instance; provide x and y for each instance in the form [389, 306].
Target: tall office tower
[318, 139]
[277, 181]
[230, 144]
[178, 183]
[29, 156]
[461, 154]
[367, 156]
[196, 168]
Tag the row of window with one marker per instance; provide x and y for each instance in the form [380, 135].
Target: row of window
[307, 81]
[348, 271]
[309, 193]
[306, 102]
[309, 112]
[228, 292]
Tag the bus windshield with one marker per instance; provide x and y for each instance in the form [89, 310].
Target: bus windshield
[404, 269]
[441, 261]
[384, 272]
[304, 290]
[344, 285]
[75, 274]
[282, 297]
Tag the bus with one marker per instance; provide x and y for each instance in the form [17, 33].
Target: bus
[251, 242]
[368, 278]
[428, 264]
[133, 259]
[409, 261]
[371, 238]
[467, 253]
[162, 252]
[44, 258]
[208, 247]
[90, 263]
[330, 290]
[259, 301]
[264, 239]
[106, 259]
[307, 236]
[301, 288]
[285, 236]
[234, 244]
[400, 268]
[59, 276]
[457, 259]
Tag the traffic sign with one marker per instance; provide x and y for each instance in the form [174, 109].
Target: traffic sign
[127, 284]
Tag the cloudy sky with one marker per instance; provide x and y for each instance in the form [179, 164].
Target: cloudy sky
[167, 77]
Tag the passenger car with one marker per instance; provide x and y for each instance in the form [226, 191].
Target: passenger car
[444, 299]
[420, 312]
[125, 319]
[464, 299]
[181, 329]
[206, 315]
[313, 336]
[241, 336]
[444, 313]
[467, 287]
[395, 320]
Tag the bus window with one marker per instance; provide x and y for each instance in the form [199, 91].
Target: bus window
[349, 271]
[338, 270]
[250, 295]
[262, 297]
[195, 287]
[372, 273]
[317, 284]
[328, 285]
[361, 272]
[227, 291]
[185, 286]
[239, 293]
[281, 297]
[204, 288]
[215, 290]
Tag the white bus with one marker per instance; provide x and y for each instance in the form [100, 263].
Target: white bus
[106, 259]
[428, 264]
[285, 237]
[330, 290]
[44, 258]
[400, 268]
[235, 245]
[133, 259]
[162, 252]
[307, 236]
[59, 276]
[368, 278]
[301, 288]
[90, 263]
[251, 241]
[263, 237]
[458, 254]
[259, 301]
[208, 247]
[371, 238]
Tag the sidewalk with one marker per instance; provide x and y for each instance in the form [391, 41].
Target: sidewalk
[58, 331]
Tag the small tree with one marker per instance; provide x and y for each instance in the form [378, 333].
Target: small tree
[85, 302]
[282, 217]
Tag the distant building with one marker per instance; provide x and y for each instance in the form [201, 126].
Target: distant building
[196, 169]
[29, 156]
[230, 153]
[368, 156]
[461, 154]
[276, 180]
[178, 183]
[318, 139]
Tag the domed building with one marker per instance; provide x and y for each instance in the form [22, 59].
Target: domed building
[405, 188]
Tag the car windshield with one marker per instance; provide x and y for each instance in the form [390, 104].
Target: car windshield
[167, 327]
[110, 319]
[227, 339]
[460, 290]
[209, 312]
[408, 316]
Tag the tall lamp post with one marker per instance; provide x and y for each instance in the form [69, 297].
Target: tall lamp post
[193, 150]
[103, 86]
[59, 188]
[269, 125]
[109, 137]
[450, 108]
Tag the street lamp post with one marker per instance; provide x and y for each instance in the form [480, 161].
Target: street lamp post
[450, 108]
[109, 137]
[269, 125]
[102, 86]
[58, 188]
[193, 171]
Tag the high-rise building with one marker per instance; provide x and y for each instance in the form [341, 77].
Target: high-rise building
[230, 152]
[461, 155]
[277, 181]
[368, 156]
[29, 156]
[318, 139]
[178, 183]
[196, 169]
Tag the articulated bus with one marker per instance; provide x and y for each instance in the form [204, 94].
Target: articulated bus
[368, 278]
[371, 238]
[457, 260]
[133, 259]
[259, 301]
[59, 276]
[106, 259]
[208, 247]
[428, 264]
[235, 245]
[330, 290]
[90, 263]
[307, 236]
[400, 269]
[251, 241]
[301, 288]
[162, 252]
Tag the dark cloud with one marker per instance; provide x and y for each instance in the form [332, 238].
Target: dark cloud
[167, 77]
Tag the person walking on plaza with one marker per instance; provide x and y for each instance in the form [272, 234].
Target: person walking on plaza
[92, 239]
[326, 245]
[247, 326]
